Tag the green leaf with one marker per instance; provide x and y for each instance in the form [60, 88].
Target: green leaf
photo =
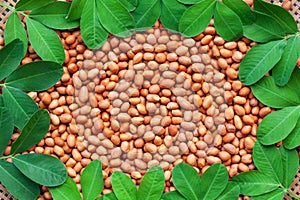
[277, 194]
[23, 5]
[41, 168]
[292, 141]
[10, 57]
[115, 17]
[267, 92]
[196, 18]
[14, 29]
[290, 163]
[20, 105]
[213, 181]
[282, 16]
[54, 15]
[130, 5]
[242, 9]
[123, 186]
[146, 13]
[16, 183]
[186, 180]
[45, 42]
[92, 180]
[34, 130]
[109, 196]
[1, 101]
[6, 128]
[171, 12]
[284, 68]
[66, 191]
[259, 60]
[189, 1]
[232, 191]
[35, 76]
[93, 33]
[227, 23]
[278, 125]
[294, 82]
[152, 185]
[76, 9]
[172, 195]
[255, 183]
[263, 29]
[268, 161]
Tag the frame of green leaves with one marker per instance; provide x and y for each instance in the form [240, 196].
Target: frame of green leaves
[278, 49]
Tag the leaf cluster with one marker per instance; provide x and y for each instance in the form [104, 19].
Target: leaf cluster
[279, 45]
[43, 17]
[284, 123]
[151, 187]
[23, 175]
[118, 17]
[212, 185]
[275, 172]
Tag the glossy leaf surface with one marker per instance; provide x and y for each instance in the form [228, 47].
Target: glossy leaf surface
[34, 130]
[196, 18]
[115, 18]
[20, 105]
[10, 57]
[93, 33]
[263, 29]
[282, 16]
[14, 29]
[278, 125]
[284, 68]
[267, 92]
[213, 181]
[6, 128]
[232, 191]
[76, 9]
[92, 180]
[290, 163]
[41, 168]
[292, 140]
[267, 159]
[35, 76]
[23, 5]
[152, 185]
[66, 191]
[242, 9]
[259, 60]
[146, 13]
[186, 180]
[54, 15]
[123, 186]
[45, 41]
[255, 183]
[277, 194]
[227, 23]
[16, 183]
[171, 12]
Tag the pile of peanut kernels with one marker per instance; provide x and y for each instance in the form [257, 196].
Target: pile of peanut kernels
[155, 98]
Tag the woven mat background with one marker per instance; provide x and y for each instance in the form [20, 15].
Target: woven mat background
[295, 10]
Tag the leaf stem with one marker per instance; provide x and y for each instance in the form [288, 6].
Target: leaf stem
[292, 194]
[13, 9]
[5, 157]
[7, 6]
